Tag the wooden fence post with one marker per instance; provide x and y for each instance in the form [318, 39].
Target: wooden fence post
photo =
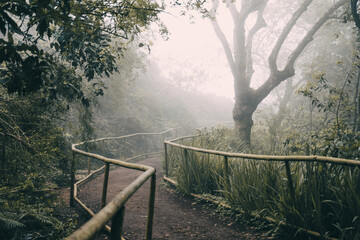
[105, 185]
[88, 166]
[117, 224]
[72, 179]
[226, 169]
[149, 224]
[166, 160]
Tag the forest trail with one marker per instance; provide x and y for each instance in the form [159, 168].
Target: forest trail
[176, 216]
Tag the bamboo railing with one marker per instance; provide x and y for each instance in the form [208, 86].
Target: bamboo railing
[113, 211]
[226, 155]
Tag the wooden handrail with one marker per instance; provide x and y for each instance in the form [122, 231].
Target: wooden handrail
[122, 137]
[339, 161]
[285, 159]
[114, 210]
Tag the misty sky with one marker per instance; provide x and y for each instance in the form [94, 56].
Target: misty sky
[194, 50]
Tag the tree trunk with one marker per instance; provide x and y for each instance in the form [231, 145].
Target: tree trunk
[243, 124]
[245, 105]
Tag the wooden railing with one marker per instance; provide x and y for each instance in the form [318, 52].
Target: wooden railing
[226, 155]
[114, 211]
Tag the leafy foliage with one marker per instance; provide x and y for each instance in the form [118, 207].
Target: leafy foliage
[46, 43]
[53, 55]
[29, 215]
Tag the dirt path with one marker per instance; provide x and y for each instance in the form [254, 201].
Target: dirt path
[176, 216]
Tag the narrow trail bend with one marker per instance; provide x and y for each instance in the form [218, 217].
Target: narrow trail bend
[176, 217]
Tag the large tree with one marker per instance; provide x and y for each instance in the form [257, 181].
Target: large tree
[241, 52]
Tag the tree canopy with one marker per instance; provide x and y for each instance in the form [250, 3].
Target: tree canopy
[52, 45]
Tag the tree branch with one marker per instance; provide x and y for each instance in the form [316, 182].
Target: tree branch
[249, 7]
[233, 11]
[260, 23]
[274, 54]
[276, 76]
[24, 143]
[222, 38]
[310, 35]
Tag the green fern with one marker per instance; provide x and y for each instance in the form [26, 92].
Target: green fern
[9, 223]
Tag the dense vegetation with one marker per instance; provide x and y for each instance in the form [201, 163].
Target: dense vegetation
[54, 59]
[325, 196]
[314, 113]
[73, 70]
[317, 116]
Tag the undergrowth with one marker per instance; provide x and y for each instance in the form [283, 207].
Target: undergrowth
[28, 213]
[326, 196]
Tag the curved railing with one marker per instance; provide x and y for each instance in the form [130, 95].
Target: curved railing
[186, 150]
[114, 211]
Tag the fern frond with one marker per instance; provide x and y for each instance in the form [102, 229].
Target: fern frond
[7, 223]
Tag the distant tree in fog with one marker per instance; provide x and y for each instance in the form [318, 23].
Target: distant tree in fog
[240, 54]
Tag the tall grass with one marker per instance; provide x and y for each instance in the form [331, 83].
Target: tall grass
[326, 197]
[195, 173]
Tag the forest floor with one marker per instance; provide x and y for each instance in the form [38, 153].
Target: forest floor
[176, 216]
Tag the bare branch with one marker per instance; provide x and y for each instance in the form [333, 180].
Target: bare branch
[250, 6]
[260, 23]
[222, 38]
[233, 11]
[310, 35]
[274, 54]
[276, 76]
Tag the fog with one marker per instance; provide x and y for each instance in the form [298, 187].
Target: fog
[266, 77]
[193, 47]
[193, 58]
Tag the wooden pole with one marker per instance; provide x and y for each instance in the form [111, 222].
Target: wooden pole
[117, 224]
[105, 185]
[149, 225]
[88, 167]
[226, 169]
[72, 179]
[166, 160]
